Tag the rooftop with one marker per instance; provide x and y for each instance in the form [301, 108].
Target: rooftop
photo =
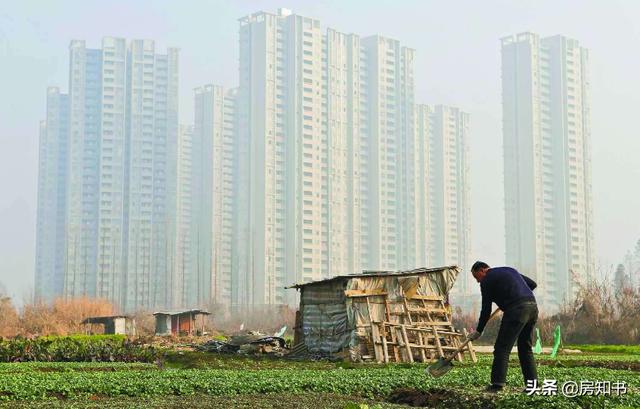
[101, 319]
[366, 273]
[179, 312]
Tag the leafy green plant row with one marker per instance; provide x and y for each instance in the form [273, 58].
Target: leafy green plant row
[608, 349]
[378, 382]
[76, 348]
[14, 367]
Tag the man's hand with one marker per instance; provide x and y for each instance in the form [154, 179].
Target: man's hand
[474, 335]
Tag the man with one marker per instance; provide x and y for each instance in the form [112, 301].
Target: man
[513, 293]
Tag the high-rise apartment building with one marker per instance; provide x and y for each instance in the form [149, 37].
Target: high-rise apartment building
[388, 184]
[329, 121]
[319, 164]
[120, 166]
[342, 218]
[443, 140]
[185, 277]
[52, 185]
[280, 99]
[83, 163]
[547, 162]
[205, 200]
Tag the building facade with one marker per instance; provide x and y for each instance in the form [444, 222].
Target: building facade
[443, 135]
[206, 200]
[331, 184]
[388, 185]
[52, 185]
[342, 204]
[547, 162]
[186, 248]
[120, 161]
[281, 97]
[318, 164]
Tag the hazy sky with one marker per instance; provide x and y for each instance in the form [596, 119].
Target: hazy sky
[457, 63]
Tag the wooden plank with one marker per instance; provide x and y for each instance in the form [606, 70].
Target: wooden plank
[441, 332]
[437, 339]
[453, 338]
[406, 342]
[418, 326]
[427, 310]
[375, 340]
[421, 341]
[386, 308]
[385, 347]
[401, 344]
[426, 297]
[394, 339]
[418, 346]
[447, 312]
[407, 310]
[428, 347]
[472, 352]
[364, 293]
[423, 328]
[428, 323]
[369, 311]
[456, 343]
[374, 333]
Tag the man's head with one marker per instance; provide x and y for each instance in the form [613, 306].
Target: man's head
[479, 270]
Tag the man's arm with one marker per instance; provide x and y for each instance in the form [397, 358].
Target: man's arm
[486, 310]
[532, 284]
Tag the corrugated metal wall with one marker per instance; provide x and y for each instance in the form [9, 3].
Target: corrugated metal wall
[325, 326]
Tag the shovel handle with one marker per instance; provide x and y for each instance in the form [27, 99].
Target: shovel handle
[466, 342]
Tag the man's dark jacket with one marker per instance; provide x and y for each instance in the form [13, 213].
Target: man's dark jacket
[506, 287]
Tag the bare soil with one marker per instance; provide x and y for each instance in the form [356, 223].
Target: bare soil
[619, 365]
[437, 398]
[250, 401]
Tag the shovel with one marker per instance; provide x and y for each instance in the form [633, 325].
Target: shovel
[444, 365]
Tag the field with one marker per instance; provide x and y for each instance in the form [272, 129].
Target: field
[218, 381]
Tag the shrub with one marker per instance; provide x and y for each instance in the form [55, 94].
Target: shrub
[78, 348]
[599, 314]
[9, 319]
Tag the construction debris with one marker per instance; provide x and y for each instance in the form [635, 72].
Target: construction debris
[217, 346]
[250, 343]
[300, 352]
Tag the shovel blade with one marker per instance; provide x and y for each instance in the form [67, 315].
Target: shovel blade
[439, 368]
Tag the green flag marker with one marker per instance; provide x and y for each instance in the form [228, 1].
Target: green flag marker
[538, 348]
[557, 340]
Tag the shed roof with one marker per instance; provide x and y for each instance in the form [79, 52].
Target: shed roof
[416, 271]
[102, 319]
[180, 312]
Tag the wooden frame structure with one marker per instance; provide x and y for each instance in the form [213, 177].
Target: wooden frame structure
[421, 332]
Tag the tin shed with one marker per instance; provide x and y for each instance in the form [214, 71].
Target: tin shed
[113, 324]
[379, 315]
[180, 321]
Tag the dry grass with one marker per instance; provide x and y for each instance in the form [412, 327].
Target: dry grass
[9, 318]
[600, 314]
[61, 317]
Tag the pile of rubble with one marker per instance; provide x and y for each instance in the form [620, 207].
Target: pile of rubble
[251, 343]
[300, 352]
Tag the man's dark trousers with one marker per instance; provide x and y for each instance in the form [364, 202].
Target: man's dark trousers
[518, 323]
